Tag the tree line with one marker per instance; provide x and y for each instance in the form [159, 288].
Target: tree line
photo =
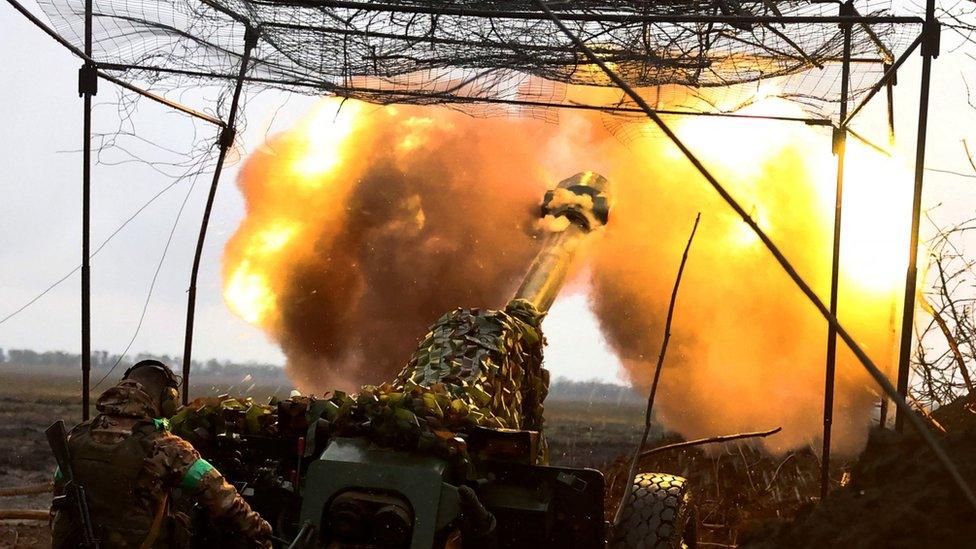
[102, 360]
[560, 388]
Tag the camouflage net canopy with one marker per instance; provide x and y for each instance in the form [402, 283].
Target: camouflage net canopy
[474, 368]
[488, 56]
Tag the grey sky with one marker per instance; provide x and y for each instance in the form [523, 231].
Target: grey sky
[40, 212]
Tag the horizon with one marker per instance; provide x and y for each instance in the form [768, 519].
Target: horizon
[225, 363]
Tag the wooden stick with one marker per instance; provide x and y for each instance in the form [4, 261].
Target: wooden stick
[769, 485]
[953, 344]
[712, 440]
[928, 416]
[27, 490]
[969, 157]
[632, 471]
[24, 514]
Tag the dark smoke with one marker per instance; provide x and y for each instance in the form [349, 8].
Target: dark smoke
[423, 231]
[427, 210]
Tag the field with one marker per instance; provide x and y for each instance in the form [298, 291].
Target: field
[738, 487]
[581, 434]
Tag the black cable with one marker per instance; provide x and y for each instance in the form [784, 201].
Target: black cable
[152, 284]
[94, 253]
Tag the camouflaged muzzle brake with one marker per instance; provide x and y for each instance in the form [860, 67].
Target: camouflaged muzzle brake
[583, 199]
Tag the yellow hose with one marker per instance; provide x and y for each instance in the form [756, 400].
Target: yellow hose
[24, 514]
[47, 487]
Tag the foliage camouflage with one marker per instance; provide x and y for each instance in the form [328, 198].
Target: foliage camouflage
[474, 367]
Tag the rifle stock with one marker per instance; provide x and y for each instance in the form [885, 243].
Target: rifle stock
[74, 493]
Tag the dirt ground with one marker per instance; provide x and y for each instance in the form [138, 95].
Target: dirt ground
[28, 404]
[898, 496]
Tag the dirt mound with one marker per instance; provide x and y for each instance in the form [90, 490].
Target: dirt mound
[898, 496]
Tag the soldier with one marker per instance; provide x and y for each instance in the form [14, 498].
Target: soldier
[132, 468]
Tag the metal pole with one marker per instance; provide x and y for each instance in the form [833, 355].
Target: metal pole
[840, 149]
[784, 263]
[225, 140]
[87, 87]
[442, 8]
[890, 92]
[889, 74]
[930, 49]
[892, 331]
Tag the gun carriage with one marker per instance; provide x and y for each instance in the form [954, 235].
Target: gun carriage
[451, 452]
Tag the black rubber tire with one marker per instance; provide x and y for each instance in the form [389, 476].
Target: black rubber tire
[661, 514]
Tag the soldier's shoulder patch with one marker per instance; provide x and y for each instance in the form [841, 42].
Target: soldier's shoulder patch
[195, 474]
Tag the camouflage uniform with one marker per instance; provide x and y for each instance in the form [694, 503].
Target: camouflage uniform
[132, 467]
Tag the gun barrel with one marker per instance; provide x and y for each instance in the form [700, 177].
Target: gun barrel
[572, 210]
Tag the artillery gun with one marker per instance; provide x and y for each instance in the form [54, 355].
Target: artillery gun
[452, 452]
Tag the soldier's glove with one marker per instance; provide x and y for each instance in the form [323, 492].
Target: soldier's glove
[263, 539]
[477, 523]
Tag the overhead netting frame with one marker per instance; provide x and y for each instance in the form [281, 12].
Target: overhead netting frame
[492, 57]
[505, 52]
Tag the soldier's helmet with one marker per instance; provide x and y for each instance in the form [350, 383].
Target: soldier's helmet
[159, 381]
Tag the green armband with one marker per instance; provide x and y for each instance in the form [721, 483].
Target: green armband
[57, 474]
[195, 474]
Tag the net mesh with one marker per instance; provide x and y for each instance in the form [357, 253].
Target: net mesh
[488, 57]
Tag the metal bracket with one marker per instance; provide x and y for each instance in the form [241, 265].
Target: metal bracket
[893, 79]
[251, 35]
[931, 38]
[846, 9]
[226, 138]
[732, 8]
[837, 140]
[87, 80]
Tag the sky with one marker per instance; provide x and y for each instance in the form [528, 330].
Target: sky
[40, 212]
[40, 223]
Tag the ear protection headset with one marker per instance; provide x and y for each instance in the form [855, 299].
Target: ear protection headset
[169, 399]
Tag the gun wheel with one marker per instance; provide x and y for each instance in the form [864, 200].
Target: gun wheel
[661, 514]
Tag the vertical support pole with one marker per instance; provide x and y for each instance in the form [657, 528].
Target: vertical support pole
[87, 87]
[840, 149]
[890, 92]
[893, 331]
[930, 50]
[224, 141]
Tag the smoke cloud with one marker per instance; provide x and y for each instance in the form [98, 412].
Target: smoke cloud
[421, 212]
[367, 223]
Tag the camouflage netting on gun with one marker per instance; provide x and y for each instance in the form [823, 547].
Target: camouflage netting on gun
[474, 368]
[490, 360]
